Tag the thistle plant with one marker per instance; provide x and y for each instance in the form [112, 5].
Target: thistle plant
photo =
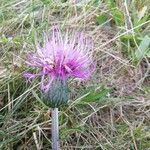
[62, 57]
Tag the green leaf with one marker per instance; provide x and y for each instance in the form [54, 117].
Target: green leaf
[111, 3]
[141, 13]
[3, 40]
[148, 53]
[38, 99]
[2, 133]
[118, 17]
[117, 14]
[143, 48]
[46, 2]
[95, 96]
[101, 19]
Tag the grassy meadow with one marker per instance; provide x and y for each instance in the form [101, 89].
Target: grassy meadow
[110, 111]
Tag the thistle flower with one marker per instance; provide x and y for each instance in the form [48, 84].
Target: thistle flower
[63, 56]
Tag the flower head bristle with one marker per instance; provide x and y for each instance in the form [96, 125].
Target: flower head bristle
[63, 56]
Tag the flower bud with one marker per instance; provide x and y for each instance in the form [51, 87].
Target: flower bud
[57, 94]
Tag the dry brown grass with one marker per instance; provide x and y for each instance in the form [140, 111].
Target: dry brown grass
[119, 121]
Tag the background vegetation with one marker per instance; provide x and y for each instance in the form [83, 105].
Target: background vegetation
[109, 112]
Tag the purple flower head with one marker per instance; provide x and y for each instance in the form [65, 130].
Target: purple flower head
[63, 56]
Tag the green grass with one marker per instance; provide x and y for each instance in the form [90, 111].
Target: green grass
[111, 110]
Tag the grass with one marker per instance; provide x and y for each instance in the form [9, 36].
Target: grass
[109, 112]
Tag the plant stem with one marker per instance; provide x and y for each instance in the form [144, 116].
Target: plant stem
[55, 130]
